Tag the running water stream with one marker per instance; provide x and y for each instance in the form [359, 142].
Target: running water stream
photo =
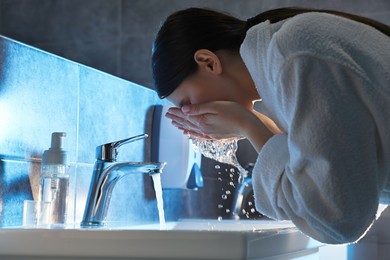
[223, 151]
[159, 198]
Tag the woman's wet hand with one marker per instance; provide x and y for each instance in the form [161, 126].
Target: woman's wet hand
[183, 122]
[220, 119]
[215, 120]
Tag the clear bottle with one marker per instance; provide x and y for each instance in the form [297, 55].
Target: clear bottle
[54, 184]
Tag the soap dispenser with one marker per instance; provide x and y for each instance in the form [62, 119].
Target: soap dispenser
[54, 182]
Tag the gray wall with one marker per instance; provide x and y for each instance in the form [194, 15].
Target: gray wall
[116, 36]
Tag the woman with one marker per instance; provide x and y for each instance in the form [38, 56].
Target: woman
[322, 126]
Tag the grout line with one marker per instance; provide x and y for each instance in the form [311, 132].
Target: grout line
[77, 114]
[11, 158]
[119, 40]
[75, 172]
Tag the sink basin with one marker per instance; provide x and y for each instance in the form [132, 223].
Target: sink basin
[185, 239]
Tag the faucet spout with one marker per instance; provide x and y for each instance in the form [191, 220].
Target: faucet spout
[105, 176]
[106, 173]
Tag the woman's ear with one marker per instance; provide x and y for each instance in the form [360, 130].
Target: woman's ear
[208, 61]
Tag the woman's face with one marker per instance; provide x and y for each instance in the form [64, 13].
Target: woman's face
[198, 89]
[201, 88]
[220, 76]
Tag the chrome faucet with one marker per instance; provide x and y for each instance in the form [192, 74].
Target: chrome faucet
[243, 205]
[106, 174]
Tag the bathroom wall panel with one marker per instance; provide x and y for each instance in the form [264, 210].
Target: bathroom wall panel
[41, 93]
[111, 109]
[136, 57]
[16, 185]
[97, 32]
[57, 21]
[38, 96]
[96, 53]
[79, 30]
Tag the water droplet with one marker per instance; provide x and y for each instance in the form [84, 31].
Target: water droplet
[253, 210]
[219, 218]
[217, 167]
[220, 206]
[228, 192]
[224, 197]
[231, 176]
[232, 170]
[227, 210]
[250, 203]
[219, 178]
[243, 211]
[232, 184]
[219, 173]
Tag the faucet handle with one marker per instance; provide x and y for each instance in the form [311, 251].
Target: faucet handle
[108, 152]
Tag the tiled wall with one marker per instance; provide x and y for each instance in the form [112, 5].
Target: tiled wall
[36, 98]
[116, 36]
[41, 93]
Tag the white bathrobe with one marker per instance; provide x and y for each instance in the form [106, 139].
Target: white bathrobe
[325, 81]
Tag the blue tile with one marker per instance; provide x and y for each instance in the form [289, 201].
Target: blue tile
[132, 199]
[111, 109]
[129, 203]
[15, 187]
[19, 181]
[83, 179]
[38, 96]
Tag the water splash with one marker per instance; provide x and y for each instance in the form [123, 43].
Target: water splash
[222, 150]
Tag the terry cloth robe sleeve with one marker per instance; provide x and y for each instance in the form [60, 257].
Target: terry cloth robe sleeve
[327, 89]
[322, 175]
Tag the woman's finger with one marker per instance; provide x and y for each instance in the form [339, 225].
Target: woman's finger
[198, 109]
[187, 121]
[196, 135]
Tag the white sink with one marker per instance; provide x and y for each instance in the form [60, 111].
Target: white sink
[186, 239]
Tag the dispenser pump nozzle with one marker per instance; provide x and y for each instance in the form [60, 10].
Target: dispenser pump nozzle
[55, 154]
[56, 140]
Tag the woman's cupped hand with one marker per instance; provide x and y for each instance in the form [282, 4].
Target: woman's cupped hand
[213, 120]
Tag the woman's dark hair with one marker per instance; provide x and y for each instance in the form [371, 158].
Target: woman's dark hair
[186, 31]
